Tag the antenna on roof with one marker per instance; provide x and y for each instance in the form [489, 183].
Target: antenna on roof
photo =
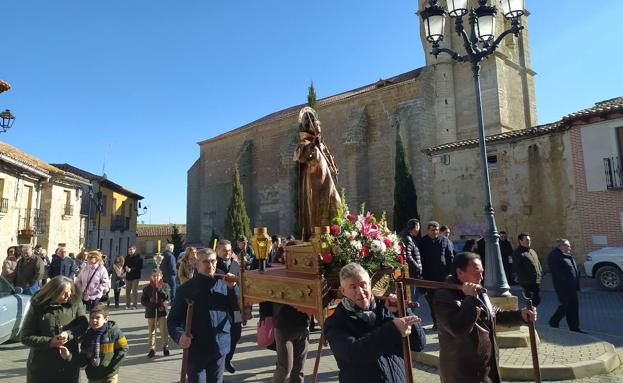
[106, 145]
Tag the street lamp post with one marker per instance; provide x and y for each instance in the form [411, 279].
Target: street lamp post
[480, 43]
[6, 118]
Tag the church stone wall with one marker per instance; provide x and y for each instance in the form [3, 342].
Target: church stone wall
[532, 186]
[360, 133]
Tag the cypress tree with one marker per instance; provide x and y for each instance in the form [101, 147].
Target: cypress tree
[237, 221]
[177, 239]
[311, 96]
[405, 197]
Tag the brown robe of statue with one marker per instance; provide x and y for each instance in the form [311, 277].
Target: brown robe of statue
[319, 200]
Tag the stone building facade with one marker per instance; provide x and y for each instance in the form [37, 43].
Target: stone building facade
[110, 213]
[431, 106]
[39, 203]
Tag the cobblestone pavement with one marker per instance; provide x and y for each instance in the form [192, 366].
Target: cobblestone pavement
[600, 316]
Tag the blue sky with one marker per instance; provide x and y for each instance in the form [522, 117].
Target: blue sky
[138, 83]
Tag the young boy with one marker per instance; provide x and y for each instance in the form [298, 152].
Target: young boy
[155, 294]
[111, 345]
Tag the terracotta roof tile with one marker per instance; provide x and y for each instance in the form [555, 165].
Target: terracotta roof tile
[158, 230]
[36, 163]
[293, 110]
[601, 109]
[101, 179]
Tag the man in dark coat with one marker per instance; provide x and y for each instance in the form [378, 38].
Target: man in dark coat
[436, 260]
[366, 335]
[132, 264]
[226, 264]
[412, 253]
[213, 300]
[468, 350]
[62, 264]
[566, 281]
[506, 248]
[243, 250]
[169, 269]
[528, 268]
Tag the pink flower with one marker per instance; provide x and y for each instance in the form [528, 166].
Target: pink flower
[335, 229]
[327, 257]
[351, 217]
[364, 252]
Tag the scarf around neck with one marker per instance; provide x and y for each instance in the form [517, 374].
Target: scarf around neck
[93, 338]
[368, 316]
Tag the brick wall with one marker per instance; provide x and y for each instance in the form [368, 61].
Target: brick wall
[599, 211]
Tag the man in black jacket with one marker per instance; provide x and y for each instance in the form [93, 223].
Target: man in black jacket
[566, 283]
[412, 253]
[528, 268]
[209, 341]
[506, 248]
[62, 264]
[436, 260]
[226, 264]
[133, 264]
[366, 336]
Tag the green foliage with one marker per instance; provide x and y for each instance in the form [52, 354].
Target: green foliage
[177, 239]
[405, 197]
[311, 96]
[237, 221]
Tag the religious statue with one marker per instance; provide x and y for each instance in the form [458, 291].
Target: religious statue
[319, 200]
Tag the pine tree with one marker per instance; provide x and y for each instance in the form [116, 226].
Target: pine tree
[405, 197]
[311, 96]
[177, 239]
[237, 221]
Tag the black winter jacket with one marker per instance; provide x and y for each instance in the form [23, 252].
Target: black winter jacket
[367, 353]
[412, 253]
[436, 257]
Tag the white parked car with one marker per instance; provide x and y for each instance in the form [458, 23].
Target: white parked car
[606, 265]
[13, 308]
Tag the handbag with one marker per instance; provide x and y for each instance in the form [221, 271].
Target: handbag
[265, 332]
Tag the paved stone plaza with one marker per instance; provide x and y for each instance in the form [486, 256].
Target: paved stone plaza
[600, 316]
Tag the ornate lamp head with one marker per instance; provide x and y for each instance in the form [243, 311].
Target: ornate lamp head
[434, 18]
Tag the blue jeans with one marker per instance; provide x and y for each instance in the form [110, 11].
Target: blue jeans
[210, 371]
[173, 286]
[32, 289]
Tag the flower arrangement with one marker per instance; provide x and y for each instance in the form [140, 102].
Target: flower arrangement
[362, 239]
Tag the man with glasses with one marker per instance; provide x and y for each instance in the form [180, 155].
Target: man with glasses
[62, 264]
[226, 264]
[209, 342]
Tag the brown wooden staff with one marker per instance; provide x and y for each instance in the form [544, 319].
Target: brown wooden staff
[406, 341]
[318, 354]
[535, 353]
[187, 328]
[436, 285]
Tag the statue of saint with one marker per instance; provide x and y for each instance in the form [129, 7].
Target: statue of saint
[319, 200]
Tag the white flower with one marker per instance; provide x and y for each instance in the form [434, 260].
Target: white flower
[356, 244]
[358, 224]
[396, 248]
[347, 234]
[353, 234]
[378, 246]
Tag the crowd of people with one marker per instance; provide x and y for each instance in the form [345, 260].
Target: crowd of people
[69, 327]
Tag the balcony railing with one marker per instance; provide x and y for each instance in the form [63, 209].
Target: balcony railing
[613, 167]
[68, 210]
[119, 222]
[4, 205]
[35, 220]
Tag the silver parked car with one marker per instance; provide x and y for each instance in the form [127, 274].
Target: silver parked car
[606, 265]
[13, 308]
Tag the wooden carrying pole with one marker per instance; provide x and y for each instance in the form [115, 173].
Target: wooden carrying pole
[406, 341]
[435, 285]
[535, 353]
[318, 355]
[187, 331]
